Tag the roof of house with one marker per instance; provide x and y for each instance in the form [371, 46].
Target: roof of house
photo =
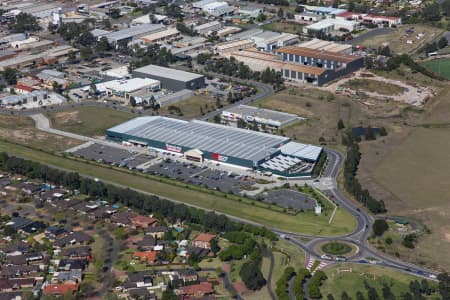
[76, 251]
[204, 237]
[156, 229]
[302, 51]
[145, 255]
[75, 237]
[60, 289]
[24, 87]
[144, 219]
[196, 289]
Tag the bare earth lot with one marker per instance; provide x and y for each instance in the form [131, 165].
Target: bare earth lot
[21, 130]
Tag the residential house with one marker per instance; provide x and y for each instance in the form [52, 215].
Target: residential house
[83, 252]
[146, 256]
[148, 242]
[60, 289]
[156, 232]
[19, 271]
[196, 291]
[140, 221]
[55, 232]
[74, 238]
[139, 280]
[71, 264]
[67, 277]
[203, 240]
[122, 219]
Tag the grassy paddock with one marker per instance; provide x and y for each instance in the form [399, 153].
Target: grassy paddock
[284, 27]
[302, 223]
[439, 66]
[88, 120]
[351, 278]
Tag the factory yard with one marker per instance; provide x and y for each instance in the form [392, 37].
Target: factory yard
[403, 39]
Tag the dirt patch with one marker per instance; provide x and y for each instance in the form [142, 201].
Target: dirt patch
[240, 287]
[67, 117]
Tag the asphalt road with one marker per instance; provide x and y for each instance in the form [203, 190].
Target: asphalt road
[358, 237]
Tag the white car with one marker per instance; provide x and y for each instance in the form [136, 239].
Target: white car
[326, 257]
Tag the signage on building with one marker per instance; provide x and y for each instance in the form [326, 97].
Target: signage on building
[174, 148]
[218, 157]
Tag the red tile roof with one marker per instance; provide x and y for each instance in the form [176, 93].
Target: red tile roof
[60, 289]
[143, 220]
[146, 255]
[197, 290]
[204, 237]
[25, 87]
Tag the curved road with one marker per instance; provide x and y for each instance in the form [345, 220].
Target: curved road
[335, 160]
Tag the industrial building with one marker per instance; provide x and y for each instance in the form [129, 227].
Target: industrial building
[166, 35]
[199, 141]
[125, 87]
[234, 46]
[170, 78]
[270, 119]
[130, 34]
[250, 11]
[333, 64]
[328, 26]
[322, 45]
[35, 96]
[207, 28]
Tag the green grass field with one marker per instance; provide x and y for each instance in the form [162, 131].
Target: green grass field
[351, 277]
[88, 120]
[439, 66]
[301, 223]
[283, 27]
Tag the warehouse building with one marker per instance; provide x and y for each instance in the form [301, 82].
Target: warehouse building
[207, 28]
[125, 87]
[130, 34]
[322, 45]
[170, 78]
[330, 65]
[328, 26]
[232, 46]
[270, 119]
[199, 141]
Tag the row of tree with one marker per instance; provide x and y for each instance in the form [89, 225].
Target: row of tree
[145, 204]
[351, 183]
[281, 289]
[395, 62]
[299, 281]
[314, 285]
[232, 67]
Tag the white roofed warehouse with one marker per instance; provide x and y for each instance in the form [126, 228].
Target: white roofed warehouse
[219, 143]
[171, 79]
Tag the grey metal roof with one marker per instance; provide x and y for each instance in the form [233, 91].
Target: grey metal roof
[263, 114]
[133, 31]
[168, 73]
[240, 143]
[300, 150]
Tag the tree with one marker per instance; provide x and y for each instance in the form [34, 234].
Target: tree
[444, 285]
[280, 13]
[345, 296]
[86, 53]
[261, 17]
[431, 12]
[25, 22]
[214, 246]
[370, 134]
[386, 51]
[379, 227]
[86, 39]
[359, 295]
[169, 294]
[330, 297]
[102, 45]
[114, 13]
[442, 43]
[10, 76]
[251, 275]
[340, 124]
[71, 56]
[351, 5]
[383, 131]
[335, 4]
[132, 101]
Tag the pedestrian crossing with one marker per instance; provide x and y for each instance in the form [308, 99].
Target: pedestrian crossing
[313, 266]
